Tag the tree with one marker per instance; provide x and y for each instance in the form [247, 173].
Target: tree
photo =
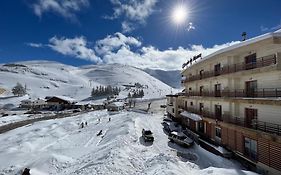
[19, 90]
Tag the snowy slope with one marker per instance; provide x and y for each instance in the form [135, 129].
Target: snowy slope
[171, 78]
[45, 78]
[119, 75]
[62, 147]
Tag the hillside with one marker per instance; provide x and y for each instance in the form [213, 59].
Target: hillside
[171, 78]
[45, 78]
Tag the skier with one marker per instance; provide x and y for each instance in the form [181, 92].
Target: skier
[149, 105]
[100, 133]
[86, 124]
[82, 125]
[109, 119]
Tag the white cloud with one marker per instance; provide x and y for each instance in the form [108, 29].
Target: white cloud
[136, 11]
[36, 45]
[127, 26]
[129, 50]
[65, 8]
[114, 42]
[76, 47]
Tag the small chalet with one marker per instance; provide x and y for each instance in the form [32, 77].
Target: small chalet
[60, 102]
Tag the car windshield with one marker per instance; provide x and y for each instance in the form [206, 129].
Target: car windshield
[148, 132]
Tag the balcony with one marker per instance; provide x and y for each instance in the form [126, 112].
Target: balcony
[255, 124]
[257, 93]
[261, 62]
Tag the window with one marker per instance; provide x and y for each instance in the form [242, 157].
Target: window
[201, 107]
[217, 69]
[251, 88]
[191, 103]
[218, 132]
[251, 61]
[218, 90]
[218, 112]
[250, 148]
[201, 90]
[201, 127]
[201, 73]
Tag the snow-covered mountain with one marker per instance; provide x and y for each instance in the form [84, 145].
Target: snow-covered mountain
[171, 78]
[45, 78]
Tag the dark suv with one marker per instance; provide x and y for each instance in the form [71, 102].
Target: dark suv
[147, 135]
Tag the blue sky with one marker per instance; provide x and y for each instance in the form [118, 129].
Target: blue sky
[139, 33]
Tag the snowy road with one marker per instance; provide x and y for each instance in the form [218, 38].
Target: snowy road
[60, 146]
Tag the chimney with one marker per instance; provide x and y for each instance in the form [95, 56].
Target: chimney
[244, 36]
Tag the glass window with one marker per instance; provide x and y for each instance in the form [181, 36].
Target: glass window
[250, 147]
[218, 132]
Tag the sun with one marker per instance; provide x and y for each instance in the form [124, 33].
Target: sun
[179, 14]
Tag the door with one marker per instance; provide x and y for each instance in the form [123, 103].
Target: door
[251, 88]
[201, 127]
[201, 73]
[218, 112]
[217, 69]
[250, 115]
[218, 90]
[201, 108]
[251, 61]
[201, 90]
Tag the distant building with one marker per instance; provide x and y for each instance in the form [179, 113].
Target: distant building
[60, 102]
[233, 98]
[33, 104]
[115, 106]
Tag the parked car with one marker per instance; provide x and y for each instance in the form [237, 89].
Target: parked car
[166, 127]
[147, 135]
[180, 139]
[163, 106]
[76, 110]
[166, 119]
[5, 115]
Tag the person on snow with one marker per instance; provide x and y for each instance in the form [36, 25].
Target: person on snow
[82, 125]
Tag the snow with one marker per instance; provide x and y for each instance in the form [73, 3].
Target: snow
[61, 146]
[45, 78]
[191, 116]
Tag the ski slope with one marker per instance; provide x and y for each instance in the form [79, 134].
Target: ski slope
[62, 147]
[45, 78]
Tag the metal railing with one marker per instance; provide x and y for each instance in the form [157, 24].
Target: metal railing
[261, 62]
[255, 93]
[254, 124]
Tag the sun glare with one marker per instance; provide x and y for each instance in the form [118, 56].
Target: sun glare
[179, 14]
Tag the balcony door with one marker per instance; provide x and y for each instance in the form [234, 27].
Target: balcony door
[218, 90]
[217, 69]
[201, 108]
[218, 112]
[251, 61]
[250, 115]
[251, 88]
[201, 74]
[201, 90]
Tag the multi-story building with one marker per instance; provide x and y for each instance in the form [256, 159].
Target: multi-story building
[235, 94]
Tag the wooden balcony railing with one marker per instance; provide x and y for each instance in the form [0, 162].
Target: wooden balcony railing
[255, 124]
[261, 62]
[257, 93]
